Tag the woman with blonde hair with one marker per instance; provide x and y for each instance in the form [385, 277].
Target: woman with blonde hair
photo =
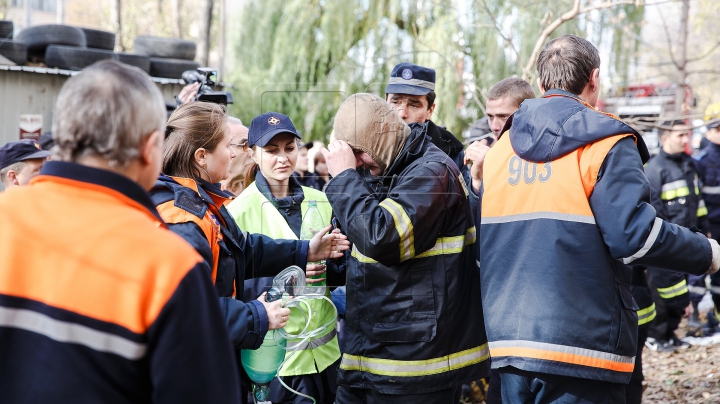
[274, 203]
[197, 155]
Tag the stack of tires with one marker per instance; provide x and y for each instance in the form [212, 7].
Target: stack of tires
[169, 57]
[15, 51]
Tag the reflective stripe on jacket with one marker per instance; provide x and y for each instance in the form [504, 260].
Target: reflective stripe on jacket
[253, 212]
[565, 199]
[414, 317]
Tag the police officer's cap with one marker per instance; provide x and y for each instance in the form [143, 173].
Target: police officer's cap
[21, 150]
[266, 126]
[407, 78]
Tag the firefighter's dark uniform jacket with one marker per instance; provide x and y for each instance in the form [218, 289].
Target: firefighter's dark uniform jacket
[99, 302]
[196, 211]
[708, 165]
[674, 178]
[565, 198]
[414, 319]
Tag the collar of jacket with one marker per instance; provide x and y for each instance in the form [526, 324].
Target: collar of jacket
[104, 178]
[444, 140]
[187, 191]
[295, 197]
[677, 157]
[547, 128]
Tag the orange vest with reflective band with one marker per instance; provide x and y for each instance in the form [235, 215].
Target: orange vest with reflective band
[538, 222]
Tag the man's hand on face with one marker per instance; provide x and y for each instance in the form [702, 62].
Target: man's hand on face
[339, 157]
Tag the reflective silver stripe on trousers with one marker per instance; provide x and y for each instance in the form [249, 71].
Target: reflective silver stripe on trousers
[70, 332]
[657, 225]
[412, 82]
[715, 290]
[312, 344]
[566, 217]
[711, 190]
[673, 185]
[562, 349]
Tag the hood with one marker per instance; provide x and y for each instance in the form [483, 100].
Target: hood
[368, 123]
[547, 128]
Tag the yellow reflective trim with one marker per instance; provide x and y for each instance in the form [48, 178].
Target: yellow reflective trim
[697, 190]
[360, 257]
[674, 290]
[675, 193]
[404, 228]
[647, 314]
[389, 367]
[464, 186]
[443, 245]
[702, 211]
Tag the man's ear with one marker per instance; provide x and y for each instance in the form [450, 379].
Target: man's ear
[542, 90]
[595, 79]
[147, 152]
[430, 112]
[12, 178]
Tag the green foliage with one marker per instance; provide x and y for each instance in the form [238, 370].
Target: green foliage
[304, 57]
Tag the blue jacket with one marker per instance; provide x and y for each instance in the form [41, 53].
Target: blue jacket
[195, 211]
[708, 164]
[565, 208]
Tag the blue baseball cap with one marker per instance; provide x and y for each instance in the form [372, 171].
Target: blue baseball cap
[264, 127]
[407, 78]
[21, 150]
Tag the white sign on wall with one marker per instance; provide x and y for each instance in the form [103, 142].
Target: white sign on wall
[30, 126]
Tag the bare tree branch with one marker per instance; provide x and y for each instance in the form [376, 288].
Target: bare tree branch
[666, 29]
[574, 12]
[706, 54]
[505, 37]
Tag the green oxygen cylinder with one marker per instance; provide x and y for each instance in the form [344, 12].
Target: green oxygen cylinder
[262, 364]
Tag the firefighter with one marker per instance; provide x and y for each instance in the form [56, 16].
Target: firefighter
[415, 331]
[708, 164]
[674, 179]
[564, 189]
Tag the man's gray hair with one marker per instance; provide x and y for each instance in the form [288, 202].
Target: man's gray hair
[107, 111]
[232, 119]
[566, 64]
[17, 166]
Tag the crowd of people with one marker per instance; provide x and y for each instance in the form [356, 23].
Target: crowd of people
[542, 255]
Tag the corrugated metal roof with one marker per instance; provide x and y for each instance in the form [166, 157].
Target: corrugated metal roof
[61, 72]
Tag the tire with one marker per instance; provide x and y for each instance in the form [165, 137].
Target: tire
[171, 68]
[165, 47]
[99, 39]
[141, 61]
[39, 37]
[6, 29]
[73, 58]
[14, 51]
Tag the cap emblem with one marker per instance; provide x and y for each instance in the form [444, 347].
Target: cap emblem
[273, 120]
[407, 74]
[37, 145]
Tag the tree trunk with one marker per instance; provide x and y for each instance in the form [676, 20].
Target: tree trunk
[223, 39]
[681, 75]
[116, 21]
[206, 11]
[176, 18]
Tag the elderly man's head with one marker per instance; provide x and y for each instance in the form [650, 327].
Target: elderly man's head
[112, 115]
[372, 128]
[20, 161]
